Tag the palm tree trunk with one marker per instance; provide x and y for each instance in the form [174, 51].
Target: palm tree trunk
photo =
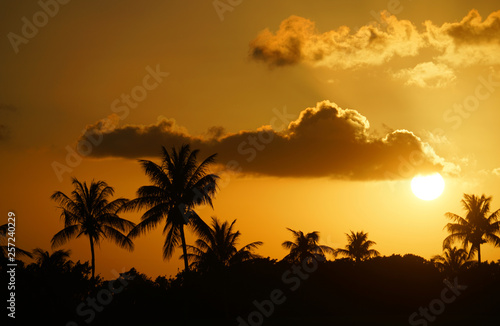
[184, 249]
[93, 257]
[479, 254]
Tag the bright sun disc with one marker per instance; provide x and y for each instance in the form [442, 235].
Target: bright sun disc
[427, 187]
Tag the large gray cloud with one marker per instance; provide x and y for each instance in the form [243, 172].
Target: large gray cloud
[324, 140]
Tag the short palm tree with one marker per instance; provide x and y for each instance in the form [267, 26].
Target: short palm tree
[179, 185]
[217, 249]
[477, 227]
[305, 246]
[452, 261]
[358, 247]
[50, 263]
[88, 212]
[4, 249]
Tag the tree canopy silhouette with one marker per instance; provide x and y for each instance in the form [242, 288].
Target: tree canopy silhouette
[179, 185]
[477, 227]
[358, 247]
[217, 249]
[452, 261]
[88, 211]
[305, 246]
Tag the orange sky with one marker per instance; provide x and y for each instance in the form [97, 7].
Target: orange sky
[346, 95]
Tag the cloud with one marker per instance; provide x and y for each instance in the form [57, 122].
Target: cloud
[297, 41]
[468, 42]
[458, 44]
[427, 75]
[324, 141]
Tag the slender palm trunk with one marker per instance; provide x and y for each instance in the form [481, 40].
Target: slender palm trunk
[184, 249]
[479, 254]
[93, 257]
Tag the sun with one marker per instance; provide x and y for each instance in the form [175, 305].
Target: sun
[427, 187]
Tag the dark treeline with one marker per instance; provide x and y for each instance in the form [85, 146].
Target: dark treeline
[378, 291]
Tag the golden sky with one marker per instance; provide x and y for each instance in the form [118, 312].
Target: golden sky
[327, 109]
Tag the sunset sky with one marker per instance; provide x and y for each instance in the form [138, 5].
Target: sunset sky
[321, 114]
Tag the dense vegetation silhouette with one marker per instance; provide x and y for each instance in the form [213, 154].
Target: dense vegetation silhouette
[224, 285]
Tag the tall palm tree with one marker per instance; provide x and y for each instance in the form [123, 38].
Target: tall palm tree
[305, 246]
[477, 227]
[452, 261]
[358, 247]
[179, 185]
[217, 249]
[88, 211]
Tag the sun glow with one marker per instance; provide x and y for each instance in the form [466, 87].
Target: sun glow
[428, 187]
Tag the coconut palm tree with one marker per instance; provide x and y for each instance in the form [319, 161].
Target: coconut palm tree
[50, 263]
[358, 247]
[87, 211]
[452, 261]
[305, 246]
[477, 227]
[217, 249]
[4, 249]
[179, 185]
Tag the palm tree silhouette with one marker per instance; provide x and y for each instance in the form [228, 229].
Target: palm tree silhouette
[452, 261]
[179, 184]
[4, 249]
[49, 263]
[476, 228]
[87, 211]
[217, 249]
[305, 246]
[358, 247]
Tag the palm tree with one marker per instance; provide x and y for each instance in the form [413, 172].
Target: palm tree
[358, 247]
[305, 246]
[452, 261]
[477, 227]
[50, 263]
[217, 249]
[179, 185]
[88, 211]
[4, 249]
